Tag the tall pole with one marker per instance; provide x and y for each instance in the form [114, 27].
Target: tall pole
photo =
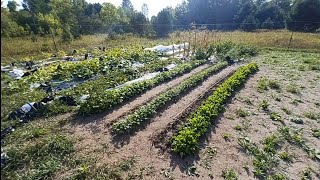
[290, 41]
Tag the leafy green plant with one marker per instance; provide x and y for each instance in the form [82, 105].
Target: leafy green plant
[286, 110]
[264, 105]
[306, 174]
[238, 127]
[263, 161]
[278, 176]
[271, 143]
[296, 101]
[262, 85]
[226, 136]
[316, 133]
[312, 115]
[292, 88]
[185, 141]
[241, 113]
[274, 84]
[285, 156]
[275, 116]
[229, 174]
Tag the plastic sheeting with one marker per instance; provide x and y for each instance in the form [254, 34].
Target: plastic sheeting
[168, 50]
[143, 78]
[16, 73]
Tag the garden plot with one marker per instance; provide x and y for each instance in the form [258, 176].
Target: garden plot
[262, 127]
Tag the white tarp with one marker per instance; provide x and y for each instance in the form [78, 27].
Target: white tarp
[16, 73]
[143, 78]
[169, 49]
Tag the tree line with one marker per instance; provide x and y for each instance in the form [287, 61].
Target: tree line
[70, 19]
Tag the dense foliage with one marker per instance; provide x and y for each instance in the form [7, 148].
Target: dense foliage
[185, 141]
[70, 19]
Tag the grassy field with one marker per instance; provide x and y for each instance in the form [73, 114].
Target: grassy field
[15, 49]
[269, 128]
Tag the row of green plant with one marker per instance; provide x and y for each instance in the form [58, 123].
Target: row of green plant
[147, 111]
[235, 51]
[102, 100]
[185, 141]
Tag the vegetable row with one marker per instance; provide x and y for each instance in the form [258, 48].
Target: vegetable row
[102, 100]
[185, 141]
[147, 111]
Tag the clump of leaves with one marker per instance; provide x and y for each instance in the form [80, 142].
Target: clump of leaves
[286, 110]
[296, 101]
[271, 143]
[294, 136]
[264, 105]
[238, 127]
[226, 136]
[306, 174]
[192, 171]
[273, 84]
[311, 115]
[278, 176]
[275, 116]
[126, 164]
[262, 85]
[263, 161]
[241, 113]
[229, 174]
[293, 88]
[208, 156]
[286, 156]
[316, 133]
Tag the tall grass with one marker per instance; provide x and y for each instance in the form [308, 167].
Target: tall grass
[17, 48]
[266, 39]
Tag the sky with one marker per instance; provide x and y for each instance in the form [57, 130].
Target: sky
[154, 5]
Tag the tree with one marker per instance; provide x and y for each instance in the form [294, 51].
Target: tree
[127, 5]
[12, 6]
[10, 28]
[163, 23]
[109, 14]
[145, 10]
[139, 24]
[181, 14]
[304, 16]
[249, 23]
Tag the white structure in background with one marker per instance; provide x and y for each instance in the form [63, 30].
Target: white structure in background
[169, 50]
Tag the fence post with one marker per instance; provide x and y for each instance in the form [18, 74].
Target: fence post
[290, 41]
